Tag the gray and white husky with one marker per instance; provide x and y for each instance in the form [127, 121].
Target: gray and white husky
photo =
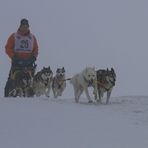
[105, 82]
[83, 80]
[21, 83]
[42, 82]
[59, 82]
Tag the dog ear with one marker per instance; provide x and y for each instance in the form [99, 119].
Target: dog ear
[112, 69]
[48, 67]
[57, 70]
[113, 72]
[63, 69]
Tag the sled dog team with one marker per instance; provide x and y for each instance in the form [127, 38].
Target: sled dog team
[102, 81]
[22, 49]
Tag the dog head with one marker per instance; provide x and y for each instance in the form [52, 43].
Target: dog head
[24, 78]
[46, 73]
[101, 75]
[89, 74]
[60, 72]
[111, 76]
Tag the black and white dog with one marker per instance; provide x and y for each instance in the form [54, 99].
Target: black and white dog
[59, 82]
[42, 82]
[105, 82]
[21, 83]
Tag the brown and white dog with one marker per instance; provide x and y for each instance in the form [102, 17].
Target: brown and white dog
[105, 82]
[59, 82]
[21, 83]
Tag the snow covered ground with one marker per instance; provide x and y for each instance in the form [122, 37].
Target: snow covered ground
[61, 123]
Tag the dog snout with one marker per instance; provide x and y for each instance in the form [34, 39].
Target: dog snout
[113, 83]
[91, 80]
[61, 75]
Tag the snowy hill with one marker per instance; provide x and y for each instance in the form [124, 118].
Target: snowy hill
[61, 123]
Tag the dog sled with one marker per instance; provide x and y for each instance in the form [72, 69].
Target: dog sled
[20, 79]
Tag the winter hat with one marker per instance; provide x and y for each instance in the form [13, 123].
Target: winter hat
[24, 22]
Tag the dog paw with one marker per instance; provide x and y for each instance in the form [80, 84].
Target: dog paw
[90, 101]
[98, 101]
[56, 97]
[76, 100]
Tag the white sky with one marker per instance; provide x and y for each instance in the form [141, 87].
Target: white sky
[80, 33]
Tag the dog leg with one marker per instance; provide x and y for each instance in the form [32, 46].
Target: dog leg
[59, 93]
[49, 89]
[20, 92]
[87, 95]
[95, 91]
[95, 95]
[76, 94]
[80, 92]
[54, 92]
[61, 90]
[56, 95]
[47, 92]
[100, 96]
[38, 94]
[108, 96]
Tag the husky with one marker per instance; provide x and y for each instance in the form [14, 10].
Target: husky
[21, 83]
[59, 82]
[83, 80]
[42, 82]
[105, 82]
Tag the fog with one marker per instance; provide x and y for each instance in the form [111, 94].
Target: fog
[80, 33]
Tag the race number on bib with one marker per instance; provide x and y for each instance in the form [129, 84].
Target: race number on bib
[23, 43]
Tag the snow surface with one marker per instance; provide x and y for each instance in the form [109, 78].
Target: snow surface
[61, 123]
[80, 33]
